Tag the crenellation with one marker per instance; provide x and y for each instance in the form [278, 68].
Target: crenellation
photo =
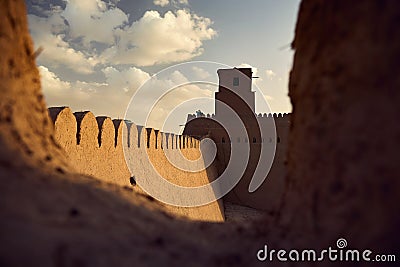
[275, 115]
[127, 136]
[175, 141]
[164, 144]
[55, 111]
[65, 126]
[133, 136]
[171, 144]
[145, 137]
[84, 129]
[157, 145]
[168, 143]
[148, 137]
[106, 134]
[87, 129]
[152, 134]
[140, 136]
[121, 132]
[126, 133]
[160, 140]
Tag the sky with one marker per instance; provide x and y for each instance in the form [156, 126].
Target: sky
[138, 59]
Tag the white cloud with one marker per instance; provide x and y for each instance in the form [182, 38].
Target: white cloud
[113, 96]
[156, 39]
[200, 73]
[49, 33]
[93, 20]
[270, 74]
[161, 2]
[50, 81]
[61, 93]
[71, 37]
[127, 80]
[164, 3]
[88, 33]
[109, 98]
[182, 91]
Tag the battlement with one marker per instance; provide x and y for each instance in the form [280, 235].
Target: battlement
[194, 116]
[121, 152]
[84, 129]
[259, 116]
[273, 115]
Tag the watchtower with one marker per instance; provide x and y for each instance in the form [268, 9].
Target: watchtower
[235, 91]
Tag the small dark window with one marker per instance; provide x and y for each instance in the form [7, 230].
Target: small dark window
[223, 140]
[236, 81]
[279, 140]
[254, 140]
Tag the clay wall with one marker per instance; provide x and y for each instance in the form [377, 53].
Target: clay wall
[95, 146]
[344, 138]
[268, 196]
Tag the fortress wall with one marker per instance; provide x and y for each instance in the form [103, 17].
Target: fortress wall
[95, 146]
[269, 195]
[344, 140]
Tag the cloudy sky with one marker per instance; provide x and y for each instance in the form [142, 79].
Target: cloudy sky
[96, 54]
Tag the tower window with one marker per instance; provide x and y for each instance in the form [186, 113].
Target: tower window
[236, 81]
